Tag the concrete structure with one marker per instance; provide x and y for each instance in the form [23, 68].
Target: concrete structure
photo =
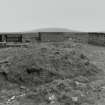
[13, 38]
[10, 37]
[96, 38]
[51, 36]
[30, 37]
[83, 37]
[18, 37]
[2, 38]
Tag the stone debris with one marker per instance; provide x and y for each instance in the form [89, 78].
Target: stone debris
[56, 74]
[75, 99]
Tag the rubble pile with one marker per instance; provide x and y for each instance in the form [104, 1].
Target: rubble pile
[65, 92]
[44, 64]
[57, 74]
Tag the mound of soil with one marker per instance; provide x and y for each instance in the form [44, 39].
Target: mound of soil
[44, 63]
[46, 74]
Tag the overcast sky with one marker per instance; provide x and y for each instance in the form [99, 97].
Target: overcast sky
[23, 15]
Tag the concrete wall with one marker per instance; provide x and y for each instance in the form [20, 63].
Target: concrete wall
[91, 38]
[29, 37]
[11, 37]
[51, 36]
[24, 37]
[96, 38]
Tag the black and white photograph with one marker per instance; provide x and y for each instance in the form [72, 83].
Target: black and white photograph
[52, 52]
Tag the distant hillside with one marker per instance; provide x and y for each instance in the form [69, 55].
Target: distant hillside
[48, 29]
[52, 30]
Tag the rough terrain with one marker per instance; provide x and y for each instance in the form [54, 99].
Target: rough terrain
[51, 74]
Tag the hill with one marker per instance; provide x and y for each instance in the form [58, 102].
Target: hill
[52, 29]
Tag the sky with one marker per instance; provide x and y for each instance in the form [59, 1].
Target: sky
[24, 15]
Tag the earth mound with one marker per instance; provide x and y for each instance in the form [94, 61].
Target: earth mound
[49, 73]
[44, 63]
